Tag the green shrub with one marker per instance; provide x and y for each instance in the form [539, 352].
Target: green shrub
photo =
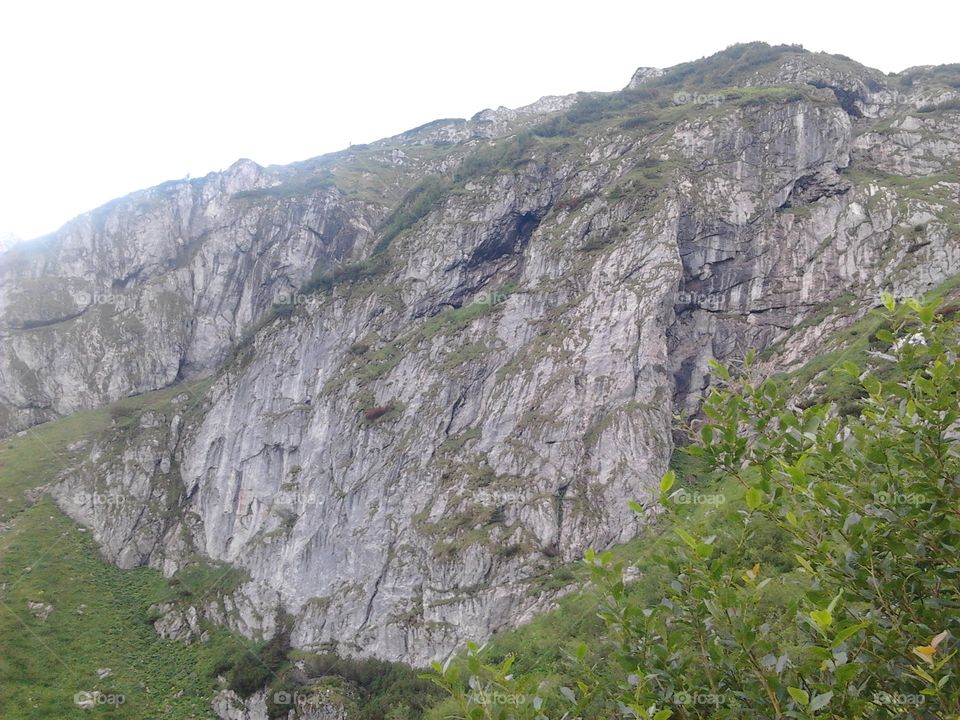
[387, 690]
[725, 67]
[501, 155]
[290, 189]
[419, 201]
[252, 669]
[829, 590]
[351, 273]
[247, 674]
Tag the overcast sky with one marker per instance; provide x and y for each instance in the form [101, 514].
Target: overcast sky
[103, 98]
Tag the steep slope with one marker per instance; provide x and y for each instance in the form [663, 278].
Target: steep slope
[445, 361]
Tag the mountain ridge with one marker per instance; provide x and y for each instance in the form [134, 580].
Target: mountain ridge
[451, 356]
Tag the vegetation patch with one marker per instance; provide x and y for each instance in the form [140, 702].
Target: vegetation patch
[100, 618]
[820, 585]
[294, 188]
[415, 205]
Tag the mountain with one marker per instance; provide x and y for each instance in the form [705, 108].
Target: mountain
[406, 382]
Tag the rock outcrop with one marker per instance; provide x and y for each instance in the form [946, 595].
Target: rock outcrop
[425, 373]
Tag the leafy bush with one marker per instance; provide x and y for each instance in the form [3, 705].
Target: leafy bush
[297, 187]
[863, 621]
[591, 107]
[725, 67]
[252, 669]
[387, 690]
[206, 580]
[504, 154]
[354, 272]
[247, 674]
[638, 120]
[557, 126]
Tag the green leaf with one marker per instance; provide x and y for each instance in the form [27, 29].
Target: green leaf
[754, 498]
[797, 474]
[663, 714]
[686, 537]
[846, 673]
[889, 302]
[851, 368]
[719, 369]
[636, 507]
[848, 633]
[666, 482]
[799, 695]
[706, 432]
[822, 618]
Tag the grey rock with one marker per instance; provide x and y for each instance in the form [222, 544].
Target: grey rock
[40, 610]
[642, 75]
[315, 705]
[399, 462]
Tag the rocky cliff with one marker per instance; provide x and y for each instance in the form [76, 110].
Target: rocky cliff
[418, 376]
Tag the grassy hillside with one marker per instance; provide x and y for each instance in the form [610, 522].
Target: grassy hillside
[99, 620]
[99, 617]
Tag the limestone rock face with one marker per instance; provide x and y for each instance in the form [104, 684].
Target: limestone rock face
[157, 287]
[503, 317]
[641, 75]
[227, 705]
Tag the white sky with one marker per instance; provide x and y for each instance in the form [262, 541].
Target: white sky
[98, 99]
